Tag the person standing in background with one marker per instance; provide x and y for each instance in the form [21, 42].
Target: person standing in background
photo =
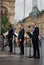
[10, 37]
[21, 39]
[35, 39]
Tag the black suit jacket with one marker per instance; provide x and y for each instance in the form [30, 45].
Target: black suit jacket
[21, 34]
[10, 33]
[35, 35]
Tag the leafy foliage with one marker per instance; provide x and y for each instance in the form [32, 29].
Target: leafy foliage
[4, 24]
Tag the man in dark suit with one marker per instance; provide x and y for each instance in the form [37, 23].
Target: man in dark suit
[21, 39]
[10, 37]
[35, 39]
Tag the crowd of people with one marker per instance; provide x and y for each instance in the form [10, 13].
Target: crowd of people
[34, 35]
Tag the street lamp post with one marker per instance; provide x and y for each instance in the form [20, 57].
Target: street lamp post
[24, 8]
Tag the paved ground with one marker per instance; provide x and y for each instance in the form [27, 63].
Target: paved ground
[42, 51]
[11, 59]
[18, 60]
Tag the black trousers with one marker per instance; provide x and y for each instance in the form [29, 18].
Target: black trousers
[10, 45]
[36, 49]
[21, 47]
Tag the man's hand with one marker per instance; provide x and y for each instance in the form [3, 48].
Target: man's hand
[32, 33]
[20, 40]
[39, 37]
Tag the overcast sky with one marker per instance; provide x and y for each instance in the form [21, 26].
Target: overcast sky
[19, 8]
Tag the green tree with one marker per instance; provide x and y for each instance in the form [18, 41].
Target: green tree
[4, 24]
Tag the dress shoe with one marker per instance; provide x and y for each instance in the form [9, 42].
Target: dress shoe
[38, 57]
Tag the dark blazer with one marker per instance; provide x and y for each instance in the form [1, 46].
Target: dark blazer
[35, 35]
[10, 33]
[21, 34]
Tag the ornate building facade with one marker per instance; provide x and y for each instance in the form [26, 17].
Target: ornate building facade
[27, 22]
[8, 9]
[35, 15]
